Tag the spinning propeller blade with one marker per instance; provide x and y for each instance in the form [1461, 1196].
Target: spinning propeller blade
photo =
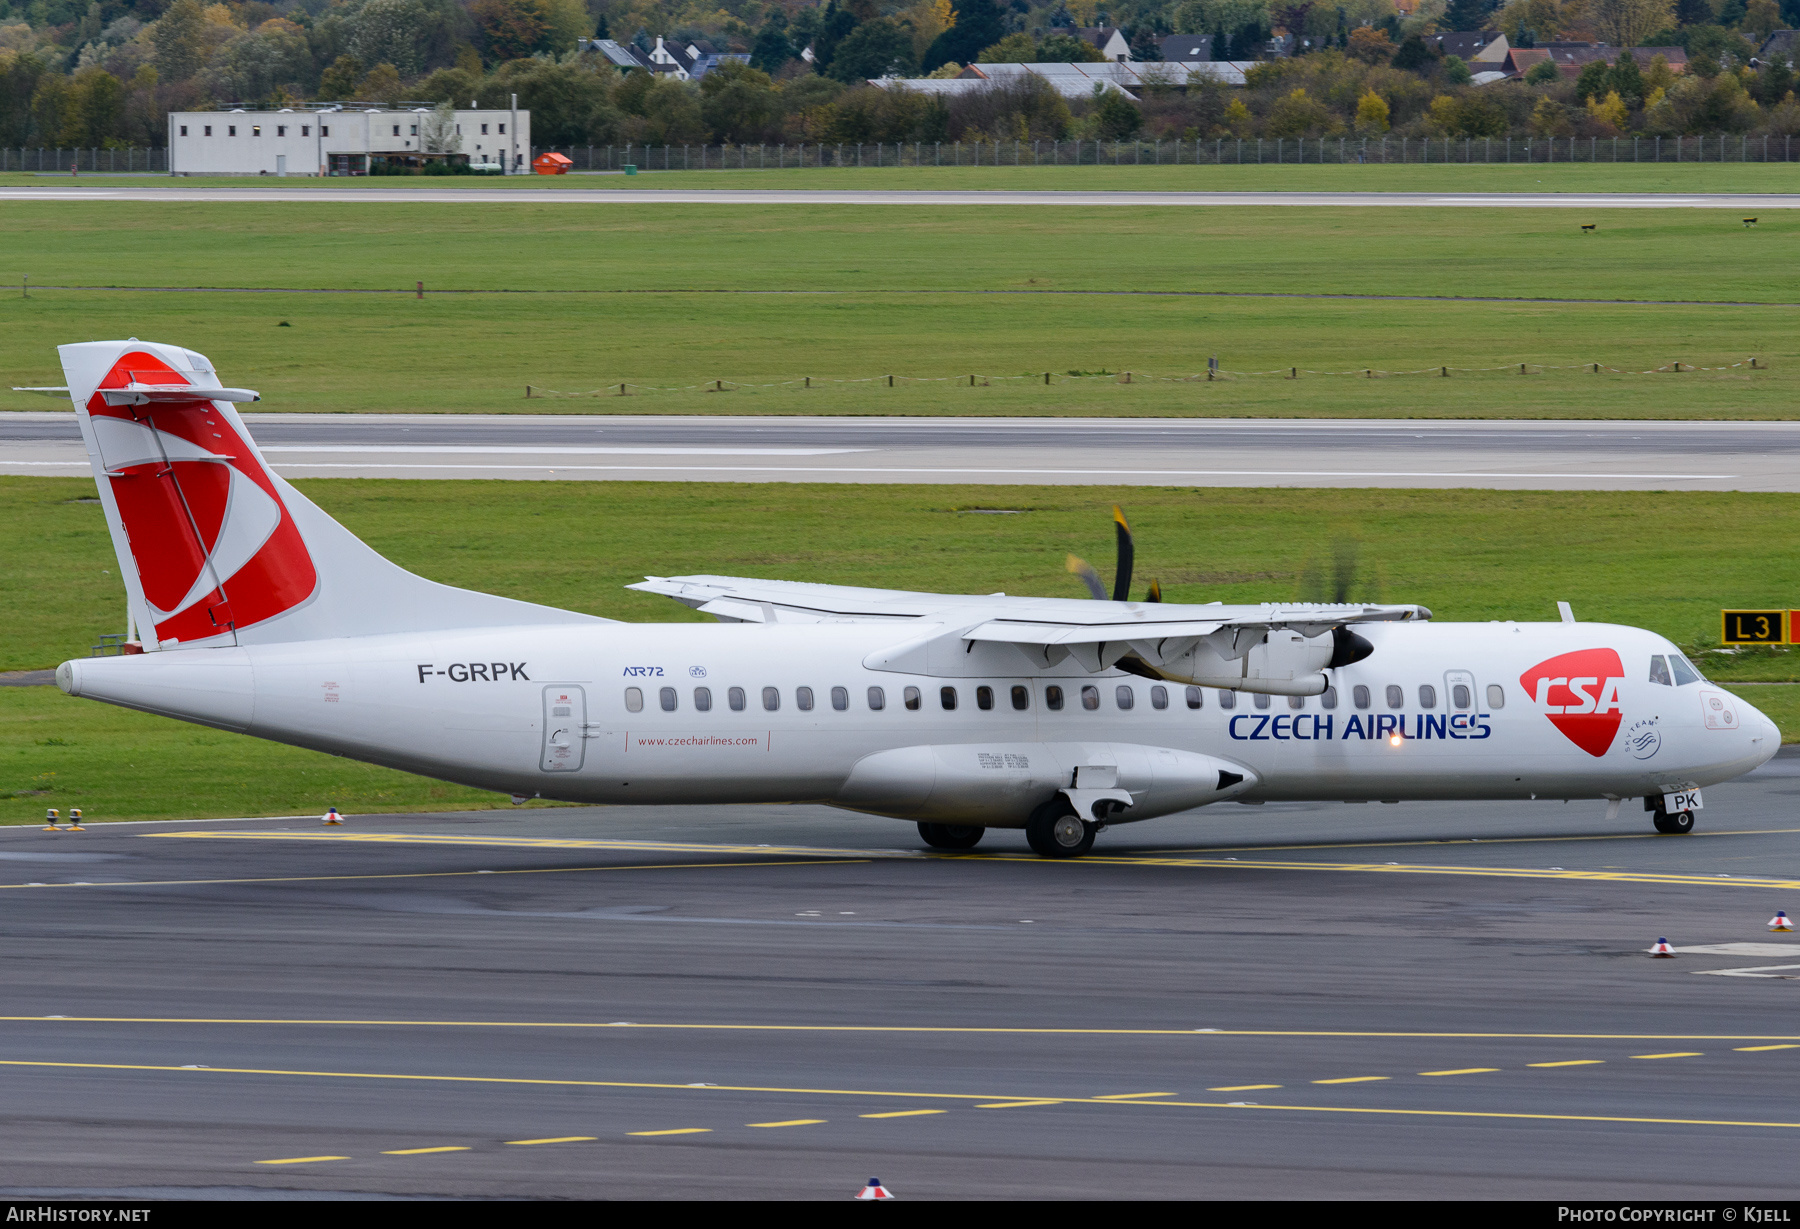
[1089, 577]
[1127, 554]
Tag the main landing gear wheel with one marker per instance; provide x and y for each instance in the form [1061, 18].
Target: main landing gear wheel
[950, 836]
[1056, 832]
[1678, 824]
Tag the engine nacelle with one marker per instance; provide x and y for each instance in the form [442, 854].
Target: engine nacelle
[1278, 663]
[999, 785]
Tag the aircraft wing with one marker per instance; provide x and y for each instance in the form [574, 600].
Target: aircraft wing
[998, 617]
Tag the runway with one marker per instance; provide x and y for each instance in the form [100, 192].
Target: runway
[1287, 1001]
[1502, 455]
[728, 196]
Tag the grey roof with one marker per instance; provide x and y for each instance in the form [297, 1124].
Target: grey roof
[1178, 47]
[1463, 44]
[617, 53]
[1780, 45]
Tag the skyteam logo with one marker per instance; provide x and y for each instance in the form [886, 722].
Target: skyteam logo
[1579, 692]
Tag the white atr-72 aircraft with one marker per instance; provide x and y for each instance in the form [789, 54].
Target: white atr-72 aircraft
[259, 613]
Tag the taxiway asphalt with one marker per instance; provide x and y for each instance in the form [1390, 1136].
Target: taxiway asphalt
[1294, 1000]
[1510, 455]
[101, 191]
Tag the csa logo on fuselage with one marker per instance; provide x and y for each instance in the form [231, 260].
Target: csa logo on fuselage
[1579, 693]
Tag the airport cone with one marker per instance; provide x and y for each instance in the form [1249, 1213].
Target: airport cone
[874, 1190]
[50, 818]
[1780, 921]
[1662, 948]
[332, 816]
[75, 820]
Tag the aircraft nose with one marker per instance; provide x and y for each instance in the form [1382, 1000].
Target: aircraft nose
[1765, 735]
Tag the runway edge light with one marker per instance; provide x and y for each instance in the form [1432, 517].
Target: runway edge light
[1780, 921]
[1662, 948]
[332, 817]
[874, 1190]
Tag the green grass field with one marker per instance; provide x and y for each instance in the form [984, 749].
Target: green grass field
[1290, 177]
[1653, 560]
[579, 298]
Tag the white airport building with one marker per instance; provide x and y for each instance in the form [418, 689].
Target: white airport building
[342, 139]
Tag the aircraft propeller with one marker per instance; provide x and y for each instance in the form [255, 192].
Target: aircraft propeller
[1127, 555]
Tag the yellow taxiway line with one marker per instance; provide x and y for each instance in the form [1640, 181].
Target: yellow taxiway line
[1008, 1102]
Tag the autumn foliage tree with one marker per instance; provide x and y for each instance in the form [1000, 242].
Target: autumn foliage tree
[511, 29]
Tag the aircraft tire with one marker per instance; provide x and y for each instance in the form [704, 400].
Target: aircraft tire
[1055, 831]
[1678, 824]
[951, 836]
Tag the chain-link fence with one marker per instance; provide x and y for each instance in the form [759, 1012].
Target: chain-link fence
[1228, 151]
[63, 160]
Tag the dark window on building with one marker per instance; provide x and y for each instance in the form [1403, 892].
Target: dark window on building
[840, 698]
[668, 699]
[1395, 697]
[207, 131]
[1090, 699]
[484, 130]
[256, 130]
[231, 130]
[1159, 697]
[803, 699]
[1195, 697]
[396, 130]
[306, 130]
[984, 698]
[184, 130]
[877, 699]
[1021, 697]
[1359, 696]
[281, 130]
[1124, 696]
[324, 130]
[703, 699]
[1053, 698]
[502, 129]
[913, 699]
[771, 698]
[947, 698]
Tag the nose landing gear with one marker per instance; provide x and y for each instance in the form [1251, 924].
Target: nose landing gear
[1678, 823]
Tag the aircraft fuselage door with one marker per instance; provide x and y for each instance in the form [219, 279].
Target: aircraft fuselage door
[565, 724]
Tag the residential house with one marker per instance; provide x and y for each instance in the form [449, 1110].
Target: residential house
[1485, 48]
[1179, 48]
[1780, 46]
[1107, 39]
[684, 62]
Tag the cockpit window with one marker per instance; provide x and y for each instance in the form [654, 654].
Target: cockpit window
[1684, 670]
[1659, 671]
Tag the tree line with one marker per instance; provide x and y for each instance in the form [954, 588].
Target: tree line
[100, 73]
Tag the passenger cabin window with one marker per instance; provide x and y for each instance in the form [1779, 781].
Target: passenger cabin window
[1124, 697]
[947, 698]
[1496, 696]
[1684, 671]
[1427, 696]
[1053, 698]
[1659, 671]
[634, 700]
[1260, 699]
[877, 699]
[840, 698]
[1329, 699]
[771, 698]
[735, 698]
[668, 699]
[1021, 697]
[1159, 697]
[1459, 695]
[803, 699]
[1090, 699]
[1395, 697]
[1359, 696]
[912, 699]
[1195, 697]
[984, 698]
[703, 699]
[1228, 699]
[1296, 702]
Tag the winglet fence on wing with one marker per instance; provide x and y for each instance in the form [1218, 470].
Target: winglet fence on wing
[975, 380]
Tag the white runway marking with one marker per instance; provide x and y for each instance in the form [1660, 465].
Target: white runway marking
[977, 474]
[649, 450]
